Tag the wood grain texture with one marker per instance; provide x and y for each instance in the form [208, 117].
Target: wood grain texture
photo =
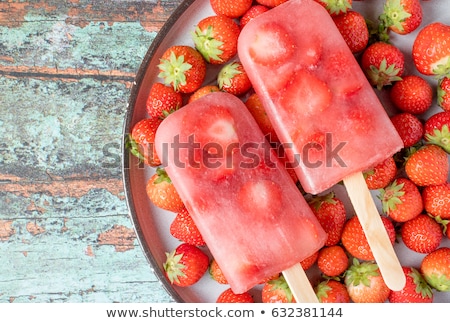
[66, 68]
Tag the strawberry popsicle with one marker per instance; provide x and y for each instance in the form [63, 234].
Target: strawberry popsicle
[325, 113]
[252, 216]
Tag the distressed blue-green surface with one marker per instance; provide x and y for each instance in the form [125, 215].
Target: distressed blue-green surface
[57, 130]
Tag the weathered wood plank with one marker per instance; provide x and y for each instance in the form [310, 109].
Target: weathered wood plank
[65, 73]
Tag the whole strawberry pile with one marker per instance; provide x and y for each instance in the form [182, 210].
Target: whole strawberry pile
[412, 186]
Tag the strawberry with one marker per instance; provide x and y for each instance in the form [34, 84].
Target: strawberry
[163, 100]
[332, 261]
[412, 94]
[381, 174]
[430, 52]
[436, 200]
[443, 93]
[353, 28]
[203, 91]
[308, 262]
[331, 214]
[272, 45]
[251, 13]
[437, 130]
[305, 94]
[182, 67]
[216, 273]
[355, 242]
[416, 289]
[184, 229]
[336, 7]
[233, 79]
[230, 8]
[402, 16]
[435, 269]
[340, 76]
[383, 64]
[185, 265]
[228, 296]
[162, 193]
[332, 291]
[421, 234]
[260, 196]
[409, 127]
[428, 166]
[271, 3]
[141, 141]
[215, 37]
[401, 200]
[277, 291]
[215, 133]
[256, 108]
[365, 283]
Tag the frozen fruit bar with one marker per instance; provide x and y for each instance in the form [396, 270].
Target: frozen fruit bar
[322, 107]
[251, 214]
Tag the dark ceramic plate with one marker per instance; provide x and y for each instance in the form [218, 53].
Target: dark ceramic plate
[152, 224]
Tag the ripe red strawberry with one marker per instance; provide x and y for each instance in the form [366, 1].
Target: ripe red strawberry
[256, 108]
[353, 28]
[141, 141]
[163, 100]
[271, 3]
[185, 265]
[331, 214]
[430, 52]
[203, 91]
[308, 262]
[436, 200]
[228, 296]
[402, 16]
[416, 289]
[332, 261]
[230, 8]
[409, 127]
[401, 200]
[162, 193]
[381, 175]
[233, 79]
[216, 37]
[421, 234]
[443, 93]
[355, 242]
[251, 13]
[216, 273]
[272, 45]
[435, 269]
[182, 67]
[437, 130]
[277, 291]
[365, 283]
[412, 94]
[383, 64]
[332, 291]
[336, 7]
[428, 166]
[184, 229]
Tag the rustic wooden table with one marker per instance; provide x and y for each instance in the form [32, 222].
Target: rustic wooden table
[66, 68]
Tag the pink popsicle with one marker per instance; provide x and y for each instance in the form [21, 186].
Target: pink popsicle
[323, 109]
[252, 216]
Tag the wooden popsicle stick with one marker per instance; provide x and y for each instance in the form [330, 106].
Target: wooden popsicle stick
[299, 285]
[375, 232]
